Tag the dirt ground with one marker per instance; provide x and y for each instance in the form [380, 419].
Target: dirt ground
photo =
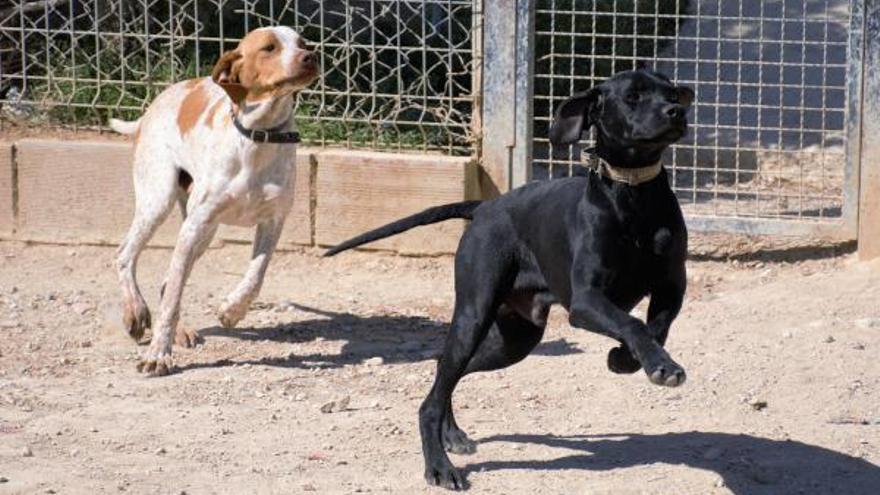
[781, 347]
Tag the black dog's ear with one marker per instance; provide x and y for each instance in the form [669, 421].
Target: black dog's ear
[685, 96]
[568, 124]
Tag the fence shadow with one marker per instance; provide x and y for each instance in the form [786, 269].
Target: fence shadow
[748, 465]
[784, 254]
[394, 338]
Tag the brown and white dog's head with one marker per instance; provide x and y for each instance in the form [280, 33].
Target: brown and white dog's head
[268, 62]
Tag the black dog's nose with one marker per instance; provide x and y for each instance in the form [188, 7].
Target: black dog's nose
[675, 111]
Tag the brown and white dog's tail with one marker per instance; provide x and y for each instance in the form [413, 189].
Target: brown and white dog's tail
[125, 126]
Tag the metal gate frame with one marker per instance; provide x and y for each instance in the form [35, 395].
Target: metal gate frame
[507, 120]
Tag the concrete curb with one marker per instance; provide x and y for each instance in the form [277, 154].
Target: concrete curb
[80, 192]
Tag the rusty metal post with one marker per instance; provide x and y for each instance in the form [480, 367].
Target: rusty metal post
[869, 184]
[521, 158]
[507, 93]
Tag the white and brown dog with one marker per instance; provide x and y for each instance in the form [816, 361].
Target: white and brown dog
[223, 147]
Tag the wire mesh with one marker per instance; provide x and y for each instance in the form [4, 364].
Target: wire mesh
[768, 129]
[397, 74]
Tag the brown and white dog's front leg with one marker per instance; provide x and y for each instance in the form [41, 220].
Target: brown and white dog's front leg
[195, 235]
[239, 300]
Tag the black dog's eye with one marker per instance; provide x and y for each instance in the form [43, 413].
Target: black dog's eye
[632, 97]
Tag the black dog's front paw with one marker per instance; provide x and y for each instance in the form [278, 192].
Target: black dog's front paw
[622, 362]
[667, 373]
[445, 476]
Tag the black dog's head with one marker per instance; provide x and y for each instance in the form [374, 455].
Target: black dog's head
[637, 115]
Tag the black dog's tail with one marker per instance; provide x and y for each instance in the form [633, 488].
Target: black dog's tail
[465, 210]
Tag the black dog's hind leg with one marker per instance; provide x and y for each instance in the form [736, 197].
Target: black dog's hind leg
[469, 328]
[508, 342]
[482, 276]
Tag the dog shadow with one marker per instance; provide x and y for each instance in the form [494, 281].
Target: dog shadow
[747, 464]
[394, 338]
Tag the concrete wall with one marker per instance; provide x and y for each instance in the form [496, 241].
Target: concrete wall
[81, 192]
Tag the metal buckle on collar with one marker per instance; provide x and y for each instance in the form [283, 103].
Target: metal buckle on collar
[259, 136]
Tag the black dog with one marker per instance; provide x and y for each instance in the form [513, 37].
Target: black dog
[596, 244]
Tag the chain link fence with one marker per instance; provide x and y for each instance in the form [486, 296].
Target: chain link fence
[777, 81]
[397, 74]
[769, 128]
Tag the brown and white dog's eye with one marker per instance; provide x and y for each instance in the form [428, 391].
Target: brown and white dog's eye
[268, 48]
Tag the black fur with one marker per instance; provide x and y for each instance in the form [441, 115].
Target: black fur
[595, 246]
[436, 214]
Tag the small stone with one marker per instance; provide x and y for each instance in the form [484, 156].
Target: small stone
[316, 456]
[848, 420]
[410, 346]
[337, 405]
[375, 361]
[160, 451]
[4, 479]
[85, 344]
[81, 308]
[74, 452]
[713, 453]
[866, 323]
[764, 474]
[758, 405]
[829, 339]
[27, 452]
[858, 346]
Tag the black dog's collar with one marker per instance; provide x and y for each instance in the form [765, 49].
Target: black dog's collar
[628, 176]
[275, 136]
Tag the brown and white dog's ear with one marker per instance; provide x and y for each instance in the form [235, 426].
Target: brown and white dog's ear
[568, 123]
[225, 74]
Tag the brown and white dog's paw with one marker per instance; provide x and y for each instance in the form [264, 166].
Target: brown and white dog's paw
[156, 365]
[136, 319]
[184, 337]
[156, 361]
[230, 314]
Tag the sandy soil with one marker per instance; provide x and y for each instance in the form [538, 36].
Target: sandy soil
[781, 346]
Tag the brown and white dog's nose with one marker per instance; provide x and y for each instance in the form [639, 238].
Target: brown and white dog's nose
[307, 59]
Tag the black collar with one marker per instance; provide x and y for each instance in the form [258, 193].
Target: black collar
[275, 135]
